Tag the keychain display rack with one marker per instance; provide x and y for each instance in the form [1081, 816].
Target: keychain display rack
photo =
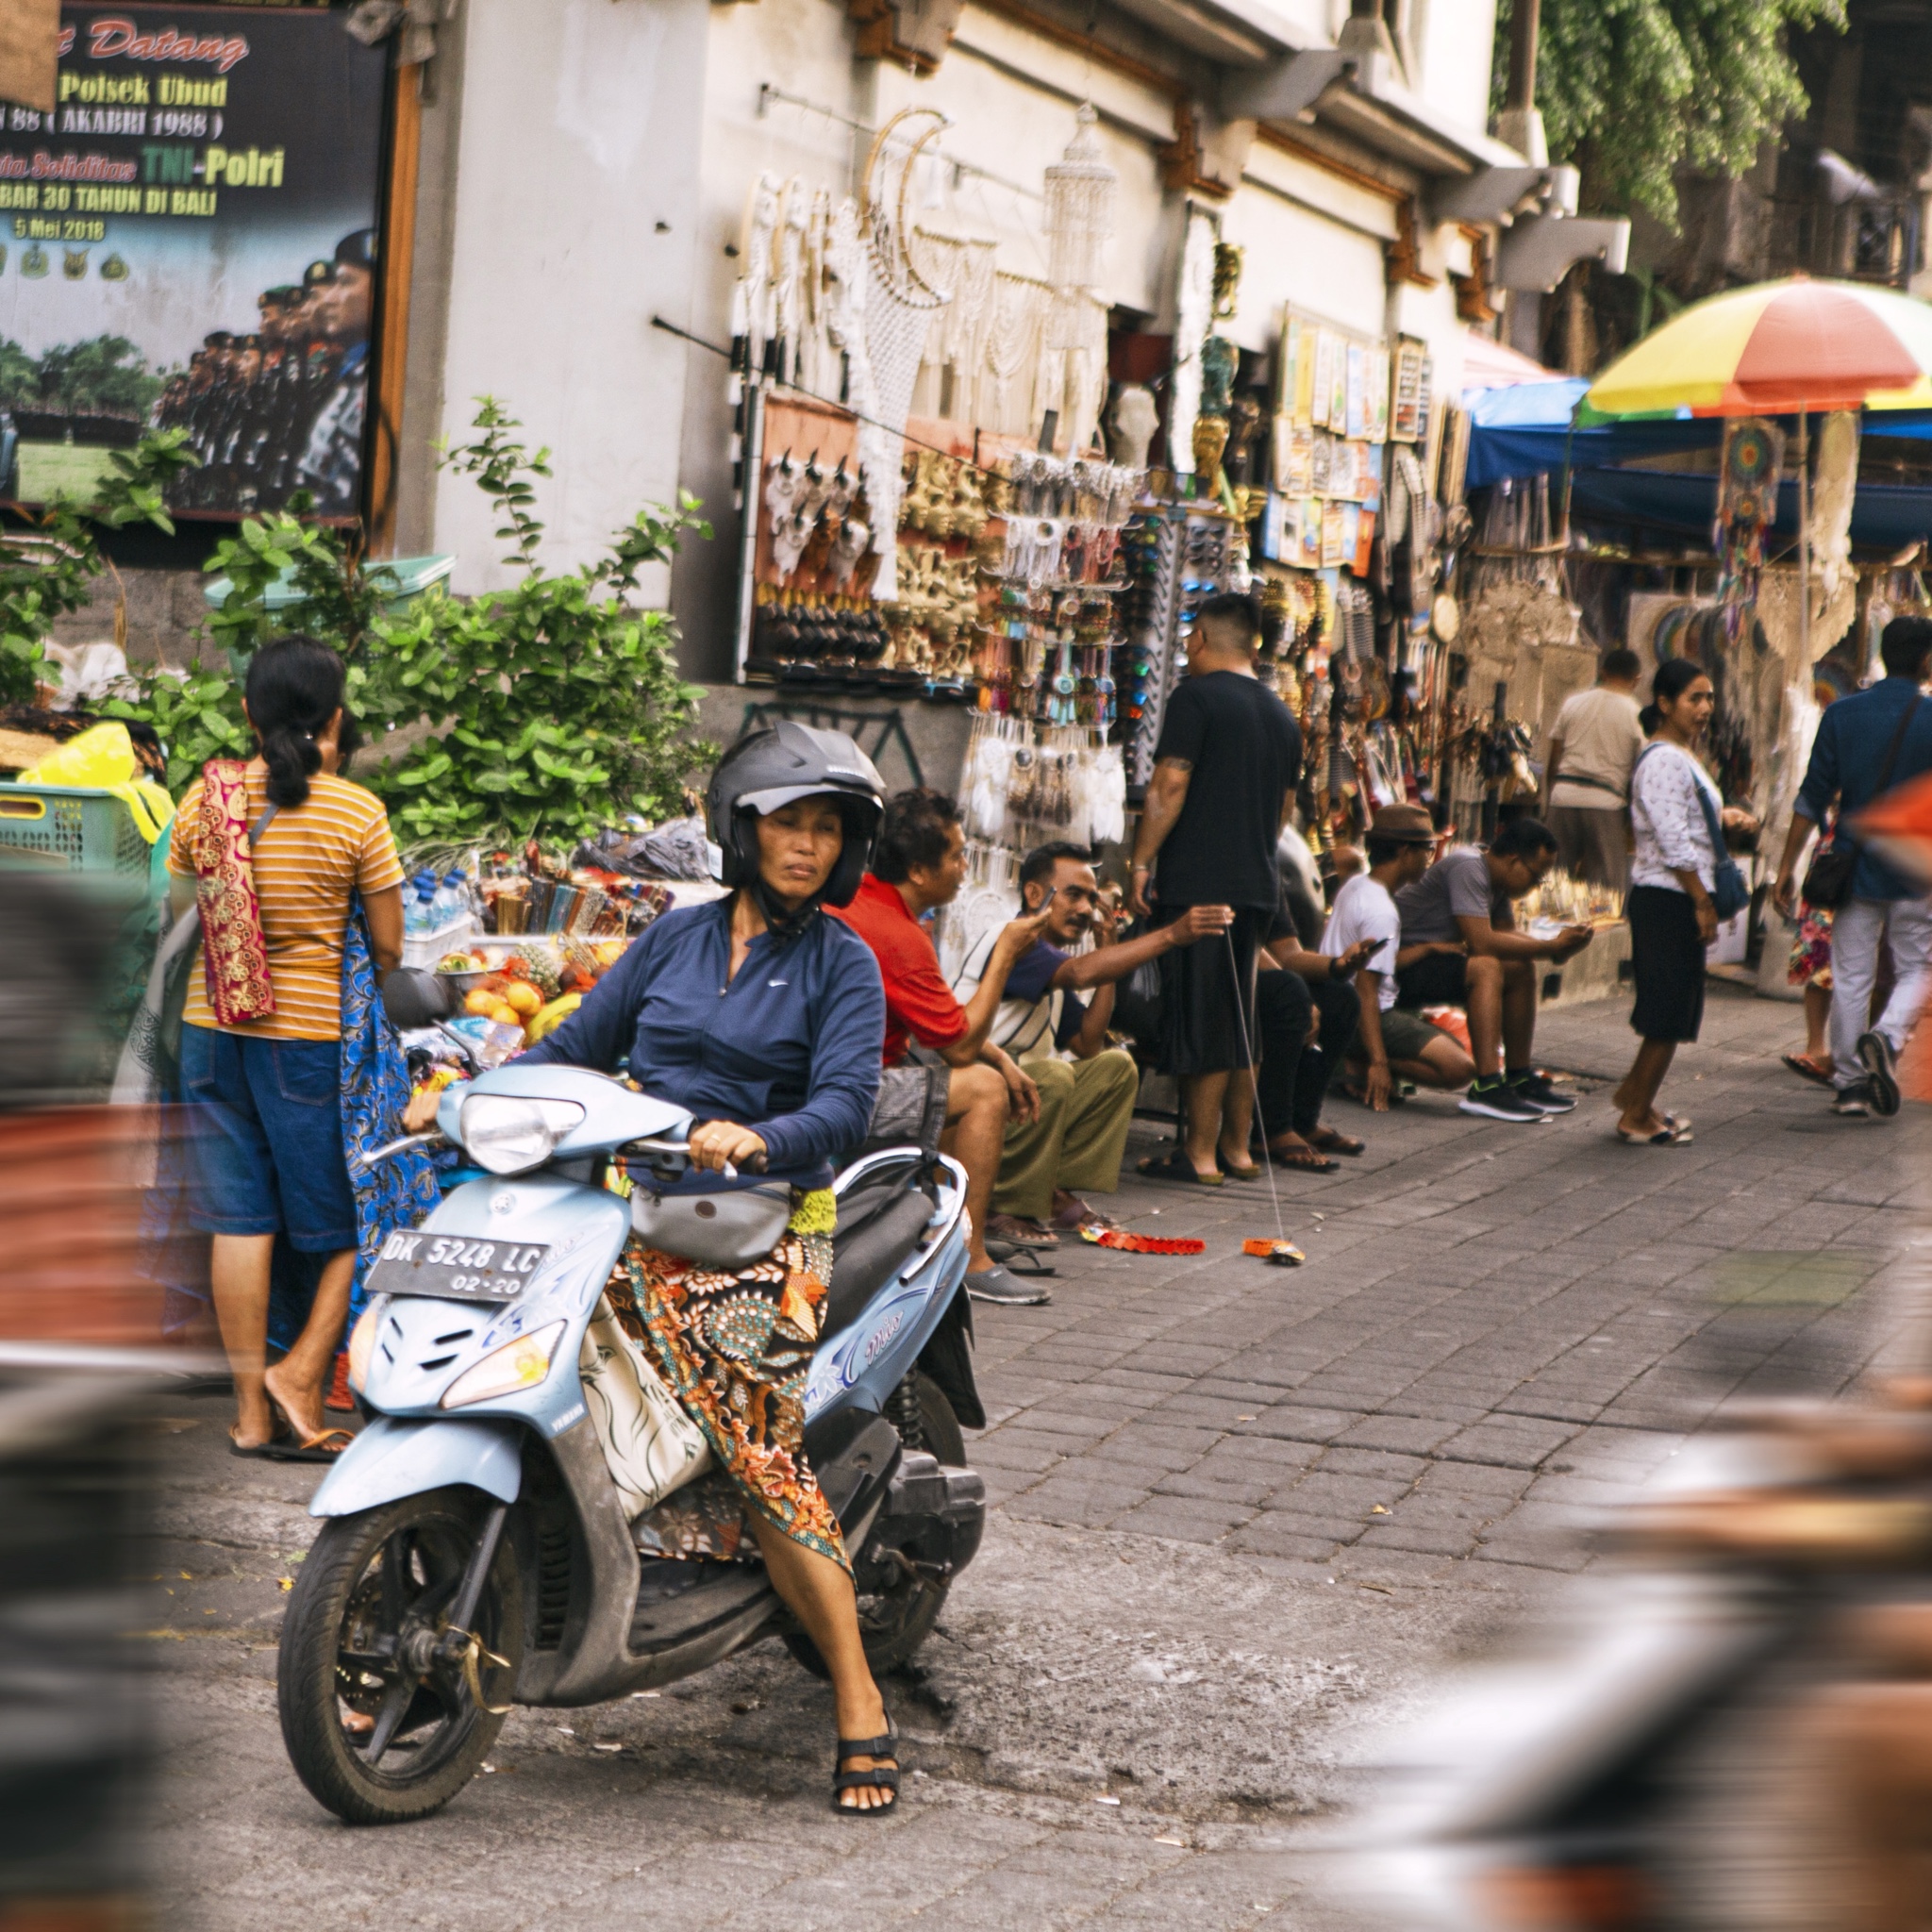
[1177, 555]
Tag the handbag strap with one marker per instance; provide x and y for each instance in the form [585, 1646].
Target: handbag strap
[260, 825]
[1704, 804]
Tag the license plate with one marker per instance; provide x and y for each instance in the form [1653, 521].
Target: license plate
[459, 1267]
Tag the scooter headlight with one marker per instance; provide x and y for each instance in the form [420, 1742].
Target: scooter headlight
[508, 1135]
[517, 1365]
[362, 1342]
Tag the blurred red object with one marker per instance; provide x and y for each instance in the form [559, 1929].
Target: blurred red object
[72, 1226]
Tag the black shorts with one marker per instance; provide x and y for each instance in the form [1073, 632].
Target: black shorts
[1207, 996]
[1436, 980]
[1667, 959]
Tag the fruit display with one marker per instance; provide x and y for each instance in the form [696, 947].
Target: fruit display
[532, 984]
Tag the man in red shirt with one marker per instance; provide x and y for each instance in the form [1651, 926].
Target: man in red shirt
[918, 863]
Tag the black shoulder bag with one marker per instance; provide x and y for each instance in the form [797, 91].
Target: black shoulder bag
[1828, 878]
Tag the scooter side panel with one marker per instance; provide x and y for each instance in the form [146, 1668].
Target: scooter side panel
[392, 1458]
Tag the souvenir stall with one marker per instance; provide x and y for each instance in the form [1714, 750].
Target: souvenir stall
[1348, 539]
[928, 515]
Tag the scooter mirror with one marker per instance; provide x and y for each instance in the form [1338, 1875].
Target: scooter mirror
[415, 998]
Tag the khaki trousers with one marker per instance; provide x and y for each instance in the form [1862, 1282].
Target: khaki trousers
[1076, 1143]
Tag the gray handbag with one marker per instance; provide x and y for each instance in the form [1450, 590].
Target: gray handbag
[724, 1230]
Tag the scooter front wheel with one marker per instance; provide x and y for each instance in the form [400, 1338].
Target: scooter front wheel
[384, 1713]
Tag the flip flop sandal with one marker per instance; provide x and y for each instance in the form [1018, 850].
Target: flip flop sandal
[260, 1452]
[1328, 1141]
[1250, 1173]
[1671, 1136]
[1018, 1261]
[1807, 1070]
[1307, 1161]
[881, 1777]
[1016, 1233]
[1176, 1167]
[1086, 1217]
[315, 1448]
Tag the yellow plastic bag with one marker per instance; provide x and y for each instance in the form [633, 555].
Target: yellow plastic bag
[102, 759]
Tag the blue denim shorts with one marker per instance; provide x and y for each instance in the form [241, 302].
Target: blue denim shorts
[265, 1139]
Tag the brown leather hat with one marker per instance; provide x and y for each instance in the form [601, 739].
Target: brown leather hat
[1403, 825]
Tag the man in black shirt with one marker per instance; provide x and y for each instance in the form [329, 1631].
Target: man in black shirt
[1224, 774]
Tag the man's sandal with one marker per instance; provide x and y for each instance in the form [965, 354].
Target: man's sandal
[881, 1777]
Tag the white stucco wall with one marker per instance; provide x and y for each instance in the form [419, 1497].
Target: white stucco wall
[580, 135]
[1451, 41]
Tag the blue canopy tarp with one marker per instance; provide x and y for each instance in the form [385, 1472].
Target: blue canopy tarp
[1526, 430]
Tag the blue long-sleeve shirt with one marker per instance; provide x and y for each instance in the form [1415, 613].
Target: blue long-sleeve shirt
[790, 1048]
[1847, 757]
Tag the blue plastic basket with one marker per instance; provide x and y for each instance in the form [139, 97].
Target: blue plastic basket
[71, 828]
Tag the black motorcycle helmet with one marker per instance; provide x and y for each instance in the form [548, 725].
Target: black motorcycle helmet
[773, 766]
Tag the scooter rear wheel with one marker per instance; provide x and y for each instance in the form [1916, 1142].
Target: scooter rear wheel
[379, 1729]
[895, 1620]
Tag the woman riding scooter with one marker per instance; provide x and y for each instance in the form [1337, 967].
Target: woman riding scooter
[763, 1018]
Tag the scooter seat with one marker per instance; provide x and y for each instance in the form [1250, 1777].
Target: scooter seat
[880, 1224]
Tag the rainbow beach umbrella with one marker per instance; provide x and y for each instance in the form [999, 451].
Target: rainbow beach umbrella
[1776, 347]
[1771, 349]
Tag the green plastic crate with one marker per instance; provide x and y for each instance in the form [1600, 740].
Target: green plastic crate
[71, 828]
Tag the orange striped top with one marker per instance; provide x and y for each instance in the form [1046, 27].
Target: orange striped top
[310, 858]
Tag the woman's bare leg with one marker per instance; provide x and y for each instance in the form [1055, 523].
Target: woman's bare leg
[1817, 1022]
[821, 1595]
[297, 1381]
[1637, 1096]
[239, 1272]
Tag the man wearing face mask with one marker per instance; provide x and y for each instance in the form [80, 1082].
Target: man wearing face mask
[1087, 1088]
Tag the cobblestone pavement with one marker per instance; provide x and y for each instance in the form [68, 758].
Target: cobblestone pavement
[1243, 1516]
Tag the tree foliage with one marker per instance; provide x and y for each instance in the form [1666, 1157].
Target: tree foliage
[1632, 90]
[104, 376]
[553, 706]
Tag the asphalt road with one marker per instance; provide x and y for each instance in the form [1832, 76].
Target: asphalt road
[1244, 1519]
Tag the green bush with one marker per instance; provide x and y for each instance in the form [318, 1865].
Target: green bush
[557, 704]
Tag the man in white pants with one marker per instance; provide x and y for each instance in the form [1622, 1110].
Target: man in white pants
[1867, 745]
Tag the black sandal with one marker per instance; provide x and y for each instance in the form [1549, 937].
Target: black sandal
[881, 1777]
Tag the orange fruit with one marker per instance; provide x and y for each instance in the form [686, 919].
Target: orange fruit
[480, 1002]
[524, 997]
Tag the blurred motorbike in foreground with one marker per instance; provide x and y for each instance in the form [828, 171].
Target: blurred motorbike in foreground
[1736, 1730]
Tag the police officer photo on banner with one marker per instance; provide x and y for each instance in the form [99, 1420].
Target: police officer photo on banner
[191, 242]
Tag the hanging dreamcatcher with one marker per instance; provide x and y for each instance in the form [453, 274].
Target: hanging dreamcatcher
[1747, 506]
[898, 315]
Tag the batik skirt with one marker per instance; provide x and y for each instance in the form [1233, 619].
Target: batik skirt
[735, 1347]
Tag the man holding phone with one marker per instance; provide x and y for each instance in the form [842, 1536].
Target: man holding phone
[1087, 1088]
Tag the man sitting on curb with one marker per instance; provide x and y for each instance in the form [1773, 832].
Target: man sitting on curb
[918, 863]
[1087, 1088]
[1461, 906]
[1391, 1041]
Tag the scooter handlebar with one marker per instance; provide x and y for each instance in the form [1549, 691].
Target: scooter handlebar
[376, 1156]
[757, 1163]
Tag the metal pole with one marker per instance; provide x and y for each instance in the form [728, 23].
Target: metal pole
[752, 463]
[1524, 19]
[1492, 790]
[1804, 540]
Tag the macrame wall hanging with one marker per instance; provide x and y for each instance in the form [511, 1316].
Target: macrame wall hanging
[1081, 190]
[1194, 317]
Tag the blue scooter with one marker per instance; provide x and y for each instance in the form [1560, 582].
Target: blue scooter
[475, 1552]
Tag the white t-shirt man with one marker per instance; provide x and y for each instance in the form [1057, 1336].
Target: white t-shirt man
[1365, 909]
[1602, 741]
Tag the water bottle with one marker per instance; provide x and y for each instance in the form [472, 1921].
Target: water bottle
[453, 901]
[419, 915]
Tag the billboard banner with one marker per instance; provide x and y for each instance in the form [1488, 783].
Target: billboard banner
[189, 241]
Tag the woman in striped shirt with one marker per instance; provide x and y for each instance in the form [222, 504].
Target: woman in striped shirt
[266, 1140]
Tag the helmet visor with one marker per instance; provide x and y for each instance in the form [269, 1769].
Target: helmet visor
[765, 803]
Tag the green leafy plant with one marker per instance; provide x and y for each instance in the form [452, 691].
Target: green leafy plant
[1633, 90]
[551, 707]
[50, 568]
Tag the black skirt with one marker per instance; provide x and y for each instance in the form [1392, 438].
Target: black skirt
[1667, 958]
